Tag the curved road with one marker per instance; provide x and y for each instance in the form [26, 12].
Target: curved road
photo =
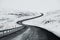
[30, 33]
[20, 22]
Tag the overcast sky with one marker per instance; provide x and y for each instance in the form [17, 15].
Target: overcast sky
[32, 5]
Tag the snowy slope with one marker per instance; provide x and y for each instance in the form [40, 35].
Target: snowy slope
[50, 21]
[8, 20]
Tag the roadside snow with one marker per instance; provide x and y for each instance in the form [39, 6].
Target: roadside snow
[8, 20]
[50, 21]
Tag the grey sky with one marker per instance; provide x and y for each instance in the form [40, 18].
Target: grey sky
[32, 5]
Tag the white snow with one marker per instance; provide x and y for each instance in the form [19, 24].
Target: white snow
[8, 21]
[50, 21]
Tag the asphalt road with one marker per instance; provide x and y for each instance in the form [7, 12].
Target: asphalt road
[30, 32]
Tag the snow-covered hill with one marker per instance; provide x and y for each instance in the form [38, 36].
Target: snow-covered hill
[8, 20]
[50, 21]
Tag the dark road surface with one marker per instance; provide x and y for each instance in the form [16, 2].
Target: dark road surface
[30, 33]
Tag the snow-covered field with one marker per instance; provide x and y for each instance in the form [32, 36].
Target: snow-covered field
[8, 20]
[50, 21]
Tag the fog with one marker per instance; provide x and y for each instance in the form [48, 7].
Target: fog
[30, 5]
